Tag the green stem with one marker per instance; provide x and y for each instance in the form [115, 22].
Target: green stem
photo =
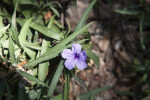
[141, 31]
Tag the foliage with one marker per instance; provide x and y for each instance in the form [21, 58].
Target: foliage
[31, 40]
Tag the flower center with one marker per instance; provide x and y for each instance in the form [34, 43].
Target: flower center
[76, 55]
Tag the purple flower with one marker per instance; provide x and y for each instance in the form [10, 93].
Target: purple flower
[75, 57]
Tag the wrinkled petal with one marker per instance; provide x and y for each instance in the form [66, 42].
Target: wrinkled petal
[81, 64]
[76, 48]
[70, 63]
[83, 56]
[67, 54]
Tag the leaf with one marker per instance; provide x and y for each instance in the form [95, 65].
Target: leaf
[35, 38]
[54, 32]
[30, 52]
[55, 11]
[6, 14]
[86, 96]
[48, 4]
[55, 79]
[33, 94]
[1, 22]
[141, 80]
[13, 26]
[32, 45]
[85, 16]
[11, 50]
[30, 36]
[24, 30]
[137, 68]
[92, 56]
[127, 12]
[30, 2]
[58, 24]
[141, 31]
[53, 52]
[30, 77]
[21, 93]
[78, 79]
[27, 11]
[67, 85]
[128, 93]
[23, 36]
[8, 90]
[43, 67]
[3, 29]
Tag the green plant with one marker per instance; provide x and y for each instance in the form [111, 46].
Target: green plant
[30, 47]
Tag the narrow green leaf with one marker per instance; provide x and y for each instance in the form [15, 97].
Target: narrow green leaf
[23, 36]
[55, 11]
[92, 97]
[30, 77]
[35, 37]
[1, 22]
[127, 12]
[54, 32]
[85, 15]
[55, 79]
[29, 36]
[78, 79]
[86, 96]
[141, 31]
[24, 30]
[67, 84]
[32, 45]
[58, 24]
[11, 50]
[55, 29]
[30, 2]
[141, 80]
[128, 93]
[53, 52]
[6, 14]
[43, 67]
[30, 52]
[92, 56]
[49, 4]
[21, 93]
[13, 26]
[8, 90]
[27, 11]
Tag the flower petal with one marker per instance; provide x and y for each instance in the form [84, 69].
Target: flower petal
[70, 63]
[67, 54]
[76, 48]
[83, 56]
[81, 64]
